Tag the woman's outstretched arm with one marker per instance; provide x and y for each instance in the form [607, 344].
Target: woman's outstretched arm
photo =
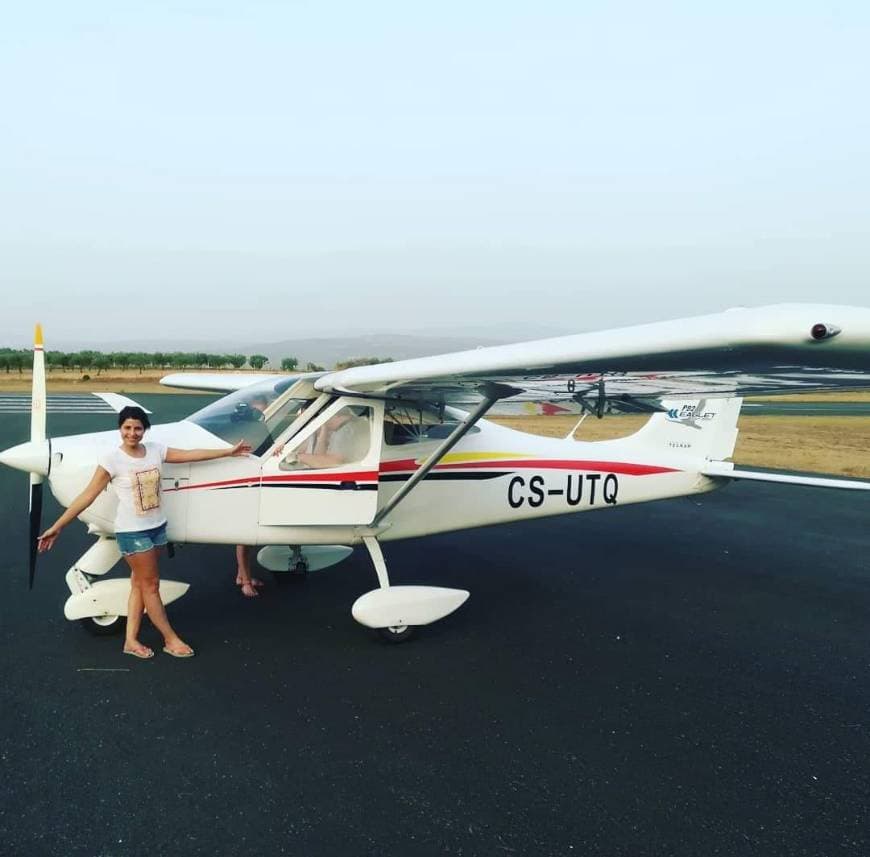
[98, 482]
[179, 456]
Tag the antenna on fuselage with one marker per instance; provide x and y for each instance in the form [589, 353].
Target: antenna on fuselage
[577, 425]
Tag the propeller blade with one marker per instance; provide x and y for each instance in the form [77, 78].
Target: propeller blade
[37, 395]
[37, 434]
[35, 524]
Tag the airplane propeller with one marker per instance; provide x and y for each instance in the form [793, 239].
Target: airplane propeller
[37, 436]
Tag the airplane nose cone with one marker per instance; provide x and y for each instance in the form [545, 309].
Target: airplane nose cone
[31, 457]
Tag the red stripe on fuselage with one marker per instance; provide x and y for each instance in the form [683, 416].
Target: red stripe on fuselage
[622, 467]
[248, 481]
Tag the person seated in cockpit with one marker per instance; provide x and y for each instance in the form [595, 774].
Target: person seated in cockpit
[252, 410]
[259, 403]
[342, 439]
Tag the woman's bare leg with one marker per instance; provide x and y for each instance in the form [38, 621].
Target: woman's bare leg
[243, 575]
[134, 614]
[243, 567]
[146, 578]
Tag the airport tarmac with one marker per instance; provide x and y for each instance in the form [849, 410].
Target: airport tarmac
[689, 677]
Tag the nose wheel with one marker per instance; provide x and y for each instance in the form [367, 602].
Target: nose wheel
[397, 633]
[395, 612]
[104, 626]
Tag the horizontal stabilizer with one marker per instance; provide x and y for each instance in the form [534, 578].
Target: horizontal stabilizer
[117, 402]
[396, 606]
[725, 469]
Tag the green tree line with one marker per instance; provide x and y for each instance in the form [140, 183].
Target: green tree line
[12, 359]
[98, 361]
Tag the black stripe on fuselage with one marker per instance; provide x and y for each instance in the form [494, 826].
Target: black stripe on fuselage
[472, 475]
[355, 486]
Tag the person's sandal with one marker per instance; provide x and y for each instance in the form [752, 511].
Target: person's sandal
[249, 590]
[144, 655]
[169, 651]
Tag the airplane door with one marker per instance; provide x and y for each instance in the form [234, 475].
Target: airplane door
[174, 499]
[328, 473]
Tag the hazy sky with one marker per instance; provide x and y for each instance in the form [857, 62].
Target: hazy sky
[294, 168]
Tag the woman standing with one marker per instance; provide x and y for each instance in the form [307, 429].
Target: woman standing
[133, 468]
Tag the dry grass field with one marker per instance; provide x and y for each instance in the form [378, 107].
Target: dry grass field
[815, 444]
[816, 397]
[112, 380]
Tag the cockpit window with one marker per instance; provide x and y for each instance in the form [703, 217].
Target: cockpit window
[345, 438]
[414, 424]
[254, 414]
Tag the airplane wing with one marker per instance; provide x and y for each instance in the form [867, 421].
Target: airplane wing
[216, 382]
[786, 348]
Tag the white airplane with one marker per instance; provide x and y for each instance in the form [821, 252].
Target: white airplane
[375, 453]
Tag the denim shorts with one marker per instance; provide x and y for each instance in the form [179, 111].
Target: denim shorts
[139, 541]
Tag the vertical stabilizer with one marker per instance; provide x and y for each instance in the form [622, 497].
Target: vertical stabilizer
[703, 427]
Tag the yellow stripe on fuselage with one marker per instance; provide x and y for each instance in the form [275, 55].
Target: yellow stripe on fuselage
[465, 457]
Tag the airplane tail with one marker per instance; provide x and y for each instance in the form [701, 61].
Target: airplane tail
[706, 428]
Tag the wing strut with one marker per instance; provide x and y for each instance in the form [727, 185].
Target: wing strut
[491, 394]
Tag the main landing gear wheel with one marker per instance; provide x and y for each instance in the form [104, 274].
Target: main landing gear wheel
[297, 567]
[297, 573]
[104, 626]
[397, 633]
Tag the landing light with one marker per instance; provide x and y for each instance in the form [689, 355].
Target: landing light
[820, 331]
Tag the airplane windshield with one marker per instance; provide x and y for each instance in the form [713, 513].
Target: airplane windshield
[251, 414]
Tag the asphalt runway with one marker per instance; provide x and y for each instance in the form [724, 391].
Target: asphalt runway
[688, 677]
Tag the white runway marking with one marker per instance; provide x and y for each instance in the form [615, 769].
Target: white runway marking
[72, 404]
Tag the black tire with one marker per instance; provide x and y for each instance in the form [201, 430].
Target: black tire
[297, 575]
[101, 628]
[398, 634]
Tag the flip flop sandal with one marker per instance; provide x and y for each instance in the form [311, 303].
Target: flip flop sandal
[169, 651]
[148, 653]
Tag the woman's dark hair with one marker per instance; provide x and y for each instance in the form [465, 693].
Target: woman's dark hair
[131, 412]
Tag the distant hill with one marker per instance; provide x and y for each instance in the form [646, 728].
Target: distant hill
[324, 350]
[328, 351]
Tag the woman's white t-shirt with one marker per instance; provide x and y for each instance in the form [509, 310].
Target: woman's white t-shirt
[137, 483]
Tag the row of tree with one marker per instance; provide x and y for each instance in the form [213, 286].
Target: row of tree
[86, 361]
[98, 361]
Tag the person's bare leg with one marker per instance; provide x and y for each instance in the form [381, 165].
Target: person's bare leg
[134, 615]
[147, 578]
[243, 570]
[243, 575]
